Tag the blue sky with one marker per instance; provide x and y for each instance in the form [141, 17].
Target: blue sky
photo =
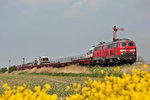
[60, 28]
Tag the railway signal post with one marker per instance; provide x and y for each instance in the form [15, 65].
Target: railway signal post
[115, 29]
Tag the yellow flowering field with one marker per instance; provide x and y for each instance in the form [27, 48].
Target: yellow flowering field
[25, 93]
[135, 86]
[127, 87]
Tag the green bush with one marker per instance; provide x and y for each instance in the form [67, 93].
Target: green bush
[3, 70]
[12, 68]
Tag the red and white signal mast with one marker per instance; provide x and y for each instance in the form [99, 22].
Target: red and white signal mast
[115, 29]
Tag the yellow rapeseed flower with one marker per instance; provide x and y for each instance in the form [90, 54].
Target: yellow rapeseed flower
[37, 88]
[67, 88]
[47, 86]
[6, 86]
[145, 65]
[102, 71]
[74, 84]
[79, 86]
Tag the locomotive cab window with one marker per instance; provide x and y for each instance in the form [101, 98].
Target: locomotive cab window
[90, 52]
[123, 44]
[130, 44]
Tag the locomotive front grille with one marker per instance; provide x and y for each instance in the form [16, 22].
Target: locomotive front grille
[128, 56]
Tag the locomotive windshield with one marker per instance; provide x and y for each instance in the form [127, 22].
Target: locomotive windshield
[90, 52]
[123, 44]
[45, 59]
[130, 44]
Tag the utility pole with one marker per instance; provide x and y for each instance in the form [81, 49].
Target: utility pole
[9, 63]
[23, 60]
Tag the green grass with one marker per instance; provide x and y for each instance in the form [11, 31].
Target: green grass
[66, 74]
[110, 70]
[58, 83]
[94, 72]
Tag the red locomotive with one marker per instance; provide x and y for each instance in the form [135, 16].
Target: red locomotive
[117, 52]
[121, 51]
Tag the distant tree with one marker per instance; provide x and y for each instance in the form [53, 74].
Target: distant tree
[11, 69]
[3, 70]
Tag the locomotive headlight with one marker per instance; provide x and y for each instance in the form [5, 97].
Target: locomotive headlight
[122, 50]
[132, 50]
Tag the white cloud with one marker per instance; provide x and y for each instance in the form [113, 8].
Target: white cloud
[82, 7]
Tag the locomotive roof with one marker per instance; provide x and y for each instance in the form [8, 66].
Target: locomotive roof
[119, 40]
[44, 57]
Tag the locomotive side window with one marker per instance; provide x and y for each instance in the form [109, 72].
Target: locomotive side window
[116, 45]
[96, 48]
[100, 47]
[111, 45]
[130, 44]
[123, 44]
[106, 47]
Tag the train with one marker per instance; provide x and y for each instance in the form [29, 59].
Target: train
[122, 51]
[116, 52]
